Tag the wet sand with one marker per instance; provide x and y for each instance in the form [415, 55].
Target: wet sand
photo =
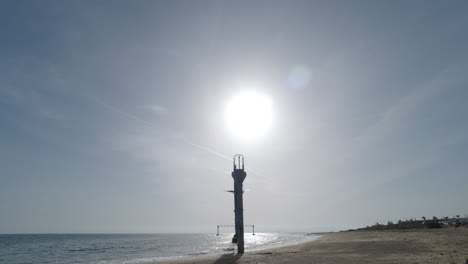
[447, 245]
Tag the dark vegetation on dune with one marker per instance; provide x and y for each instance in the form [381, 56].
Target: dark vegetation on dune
[418, 224]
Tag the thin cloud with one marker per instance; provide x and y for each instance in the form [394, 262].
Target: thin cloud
[31, 101]
[181, 137]
[158, 109]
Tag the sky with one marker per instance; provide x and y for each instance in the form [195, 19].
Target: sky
[112, 114]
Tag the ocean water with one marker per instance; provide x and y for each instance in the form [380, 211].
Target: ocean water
[131, 248]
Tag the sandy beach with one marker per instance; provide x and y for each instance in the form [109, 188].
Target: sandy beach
[446, 245]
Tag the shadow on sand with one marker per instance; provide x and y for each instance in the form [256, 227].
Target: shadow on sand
[228, 259]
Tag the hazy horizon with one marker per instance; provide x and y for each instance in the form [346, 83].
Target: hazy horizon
[113, 114]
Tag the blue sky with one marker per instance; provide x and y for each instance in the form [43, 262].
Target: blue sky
[111, 113]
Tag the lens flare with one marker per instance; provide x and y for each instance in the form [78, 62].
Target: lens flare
[299, 77]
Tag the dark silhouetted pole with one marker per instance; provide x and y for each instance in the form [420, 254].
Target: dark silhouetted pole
[239, 175]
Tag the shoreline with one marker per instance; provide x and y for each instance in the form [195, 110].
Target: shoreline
[208, 257]
[233, 257]
[445, 245]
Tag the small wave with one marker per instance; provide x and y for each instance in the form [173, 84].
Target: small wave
[197, 254]
[89, 249]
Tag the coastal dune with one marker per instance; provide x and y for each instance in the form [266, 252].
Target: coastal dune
[444, 245]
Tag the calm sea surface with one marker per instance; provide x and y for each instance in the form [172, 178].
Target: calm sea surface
[128, 249]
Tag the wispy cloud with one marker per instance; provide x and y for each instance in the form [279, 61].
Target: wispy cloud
[32, 102]
[158, 109]
[418, 98]
[161, 109]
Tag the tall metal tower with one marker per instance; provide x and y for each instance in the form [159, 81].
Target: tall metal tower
[239, 175]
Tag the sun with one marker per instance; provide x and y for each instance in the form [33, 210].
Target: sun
[249, 115]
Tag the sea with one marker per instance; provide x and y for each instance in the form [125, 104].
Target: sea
[131, 248]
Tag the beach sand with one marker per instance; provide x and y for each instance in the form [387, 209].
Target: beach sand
[438, 246]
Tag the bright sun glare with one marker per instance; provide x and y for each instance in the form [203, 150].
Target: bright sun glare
[249, 115]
